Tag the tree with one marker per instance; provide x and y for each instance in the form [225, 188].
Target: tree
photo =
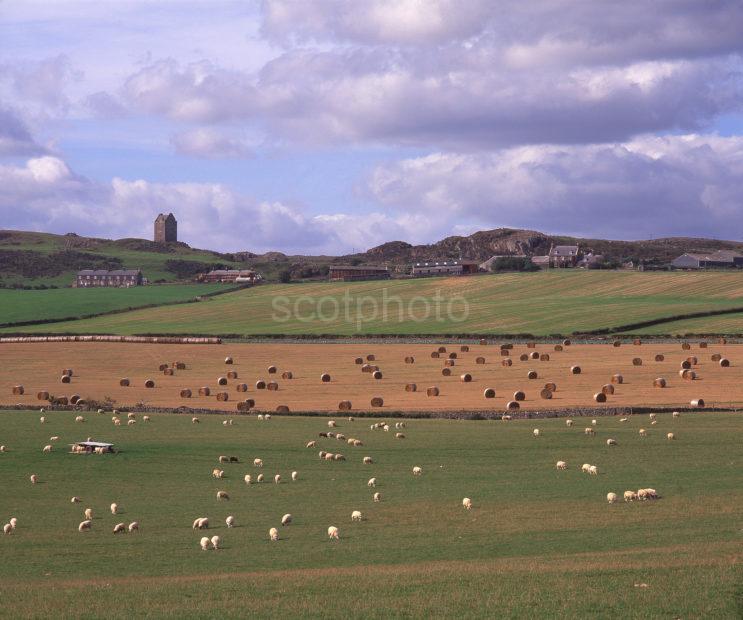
[285, 276]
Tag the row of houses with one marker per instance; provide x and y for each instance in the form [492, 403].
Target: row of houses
[126, 278]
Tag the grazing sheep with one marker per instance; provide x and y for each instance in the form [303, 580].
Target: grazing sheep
[630, 496]
[145, 418]
[356, 515]
[357, 443]
[196, 523]
[642, 495]
[217, 473]
[117, 422]
[333, 532]
[568, 422]
[79, 418]
[652, 416]
[260, 416]
[329, 456]
[611, 498]
[589, 431]
[257, 462]
[585, 467]
[386, 428]
[593, 470]
[653, 422]
[367, 460]
[84, 525]
[259, 478]
[623, 419]
[399, 436]
[643, 432]
[2, 448]
[295, 476]
[216, 541]
[267, 416]
[311, 444]
[535, 432]
[224, 459]
[114, 508]
[89, 513]
[74, 499]
[676, 414]
[611, 442]
[47, 448]
[339, 457]
[467, 503]
[331, 424]
[120, 528]
[134, 526]
[195, 420]
[377, 497]
[273, 534]
[7, 528]
[130, 422]
[372, 482]
[54, 438]
[222, 495]
[286, 519]
[13, 522]
[42, 419]
[417, 471]
[230, 521]
[670, 436]
[277, 478]
[205, 542]
[248, 479]
[594, 422]
[561, 465]
[34, 478]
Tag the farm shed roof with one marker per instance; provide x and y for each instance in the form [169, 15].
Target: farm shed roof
[564, 250]
[93, 444]
[357, 267]
[105, 272]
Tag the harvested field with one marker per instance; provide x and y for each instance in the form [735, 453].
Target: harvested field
[100, 366]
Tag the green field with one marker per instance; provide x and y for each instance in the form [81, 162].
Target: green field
[19, 305]
[725, 324]
[537, 543]
[545, 303]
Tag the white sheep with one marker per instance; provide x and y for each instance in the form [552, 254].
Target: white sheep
[589, 431]
[117, 422]
[568, 422]
[248, 479]
[224, 459]
[195, 420]
[200, 523]
[230, 521]
[217, 473]
[84, 525]
[535, 432]
[205, 543]
[2, 448]
[611, 442]
[367, 460]
[356, 515]
[79, 418]
[54, 438]
[257, 462]
[88, 514]
[273, 534]
[593, 470]
[653, 422]
[372, 482]
[399, 435]
[114, 508]
[311, 444]
[130, 422]
[286, 519]
[134, 526]
[652, 416]
[331, 424]
[386, 428]
[222, 495]
[670, 436]
[47, 448]
[333, 532]
[131, 415]
[7, 528]
[643, 432]
[42, 419]
[295, 476]
[267, 416]
[630, 496]
[145, 418]
[260, 416]
[561, 465]
[216, 542]
[74, 499]
[120, 528]
[611, 498]
[13, 522]
[467, 503]
[623, 419]
[417, 471]
[676, 414]
[277, 479]
[594, 422]
[33, 478]
[259, 478]
[377, 497]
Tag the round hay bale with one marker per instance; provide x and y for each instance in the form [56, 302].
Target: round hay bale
[272, 386]
[483, 342]
[511, 405]
[722, 341]
[435, 354]
[66, 379]
[637, 342]
[344, 405]
[545, 394]
[432, 391]
[370, 358]
[204, 391]
[377, 374]
[287, 374]
[618, 379]
[566, 343]
[260, 384]
[507, 362]
[228, 360]
[519, 395]
[716, 357]
[43, 395]
[532, 374]
[452, 356]
[411, 387]
[464, 348]
[446, 372]
[636, 361]
[617, 343]
[168, 372]
[18, 390]
[688, 375]
[449, 362]
[685, 365]
[222, 381]
[505, 352]
[531, 345]
[325, 377]
[410, 359]
[697, 402]
[608, 389]
[377, 401]
[149, 383]
[246, 405]
[62, 400]
[358, 361]
[241, 387]
[544, 357]
[599, 397]
[223, 396]
[575, 370]
[74, 399]
[272, 370]
[81, 402]
[534, 355]
[282, 409]
[162, 367]
[232, 374]
[659, 382]
[480, 360]
[186, 393]
[465, 378]
[367, 368]
[551, 386]
[558, 347]
[660, 357]
[489, 393]
[524, 357]
[724, 362]
[692, 359]
[179, 365]
[442, 349]
[124, 382]
[703, 344]
[67, 371]
[507, 347]
[685, 346]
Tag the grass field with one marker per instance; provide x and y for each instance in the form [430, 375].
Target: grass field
[725, 324]
[556, 302]
[19, 305]
[537, 543]
[98, 367]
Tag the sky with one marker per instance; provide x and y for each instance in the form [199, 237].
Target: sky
[331, 126]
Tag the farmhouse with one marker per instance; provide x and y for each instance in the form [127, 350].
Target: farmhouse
[348, 273]
[718, 259]
[563, 256]
[239, 276]
[443, 268]
[90, 278]
[90, 446]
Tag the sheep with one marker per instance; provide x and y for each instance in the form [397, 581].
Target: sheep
[322, 454]
[195, 420]
[643, 432]
[561, 465]
[653, 422]
[7, 528]
[216, 542]
[372, 482]
[377, 497]
[134, 526]
[589, 431]
[273, 534]
[670, 436]
[54, 438]
[286, 519]
[340, 437]
[224, 459]
[130, 422]
[260, 416]
[131, 416]
[79, 418]
[42, 419]
[356, 515]
[145, 418]
[386, 428]
[222, 495]
[2, 448]
[295, 476]
[47, 448]
[676, 414]
[367, 460]
[114, 508]
[630, 496]
[205, 542]
[117, 422]
[399, 436]
[585, 467]
[217, 473]
[248, 479]
[652, 416]
[277, 479]
[339, 457]
[88, 513]
[198, 522]
[611, 498]
[594, 422]
[84, 525]
[13, 522]
[267, 416]
[331, 424]
[259, 478]
[357, 443]
[623, 419]
[329, 456]
[642, 495]
[593, 470]
[611, 442]
[417, 471]
[230, 521]
[34, 478]
[467, 503]
[568, 422]
[257, 462]
[120, 528]
[311, 444]
[74, 499]
[333, 532]
[535, 432]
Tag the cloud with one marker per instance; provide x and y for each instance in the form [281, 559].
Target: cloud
[677, 185]
[209, 143]
[42, 82]
[15, 138]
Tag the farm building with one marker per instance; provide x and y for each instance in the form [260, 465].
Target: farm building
[90, 446]
[563, 256]
[166, 228]
[718, 259]
[239, 276]
[487, 265]
[543, 262]
[347, 273]
[444, 268]
[89, 278]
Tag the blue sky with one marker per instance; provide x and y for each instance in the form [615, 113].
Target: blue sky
[326, 126]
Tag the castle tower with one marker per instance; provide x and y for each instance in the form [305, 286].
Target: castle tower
[166, 228]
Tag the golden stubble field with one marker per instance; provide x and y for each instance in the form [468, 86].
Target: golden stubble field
[98, 367]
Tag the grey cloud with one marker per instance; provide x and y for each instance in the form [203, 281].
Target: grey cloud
[15, 138]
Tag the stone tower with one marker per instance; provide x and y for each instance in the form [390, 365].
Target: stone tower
[166, 228]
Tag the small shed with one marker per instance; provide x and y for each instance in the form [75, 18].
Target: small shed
[86, 447]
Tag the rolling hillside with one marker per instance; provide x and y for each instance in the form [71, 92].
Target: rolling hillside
[544, 303]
